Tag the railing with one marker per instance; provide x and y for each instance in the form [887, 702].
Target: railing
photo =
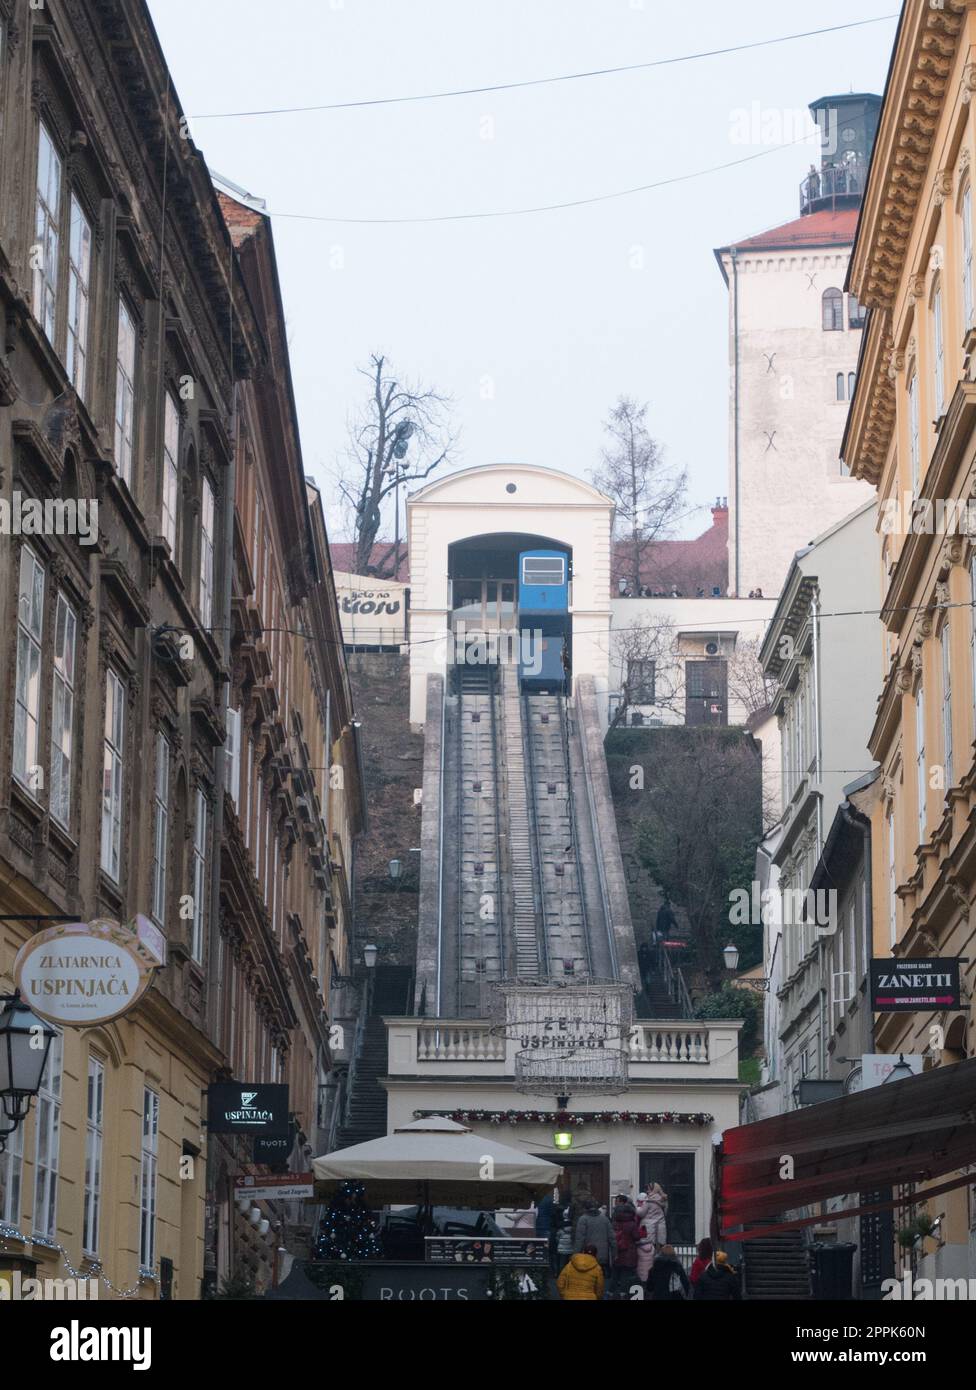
[674, 982]
[678, 1042]
[447, 1042]
[833, 181]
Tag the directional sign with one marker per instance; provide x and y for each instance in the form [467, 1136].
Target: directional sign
[285, 1187]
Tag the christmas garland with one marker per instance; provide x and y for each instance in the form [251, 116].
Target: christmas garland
[571, 1117]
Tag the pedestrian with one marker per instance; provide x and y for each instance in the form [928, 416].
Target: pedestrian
[582, 1277]
[626, 1231]
[702, 1260]
[593, 1228]
[561, 1248]
[666, 922]
[645, 1245]
[718, 1281]
[669, 1282]
[654, 1215]
[644, 961]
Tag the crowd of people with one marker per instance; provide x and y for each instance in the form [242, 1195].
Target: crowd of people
[596, 1254]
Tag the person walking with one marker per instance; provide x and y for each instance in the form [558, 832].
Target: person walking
[594, 1229]
[645, 1245]
[582, 1277]
[669, 1283]
[718, 1282]
[626, 1232]
[702, 1260]
[562, 1248]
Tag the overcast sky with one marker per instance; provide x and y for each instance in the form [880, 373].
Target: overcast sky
[533, 324]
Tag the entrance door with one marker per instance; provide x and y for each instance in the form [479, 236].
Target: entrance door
[586, 1175]
[706, 692]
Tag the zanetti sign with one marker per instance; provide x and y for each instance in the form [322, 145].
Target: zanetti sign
[247, 1107]
[900, 986]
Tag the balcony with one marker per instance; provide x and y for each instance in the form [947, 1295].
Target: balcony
[834, 186]
[443, 1048]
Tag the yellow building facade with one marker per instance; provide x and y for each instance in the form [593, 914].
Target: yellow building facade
[912, 433]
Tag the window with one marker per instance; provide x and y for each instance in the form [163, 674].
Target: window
[232, 756]
[856, 313]
[79, 291]
[63, 710]
[892, 881]
[832, 305]
[171, 451]
[47, 235]
[112, 767]
[160, 830]
[920, 778]
[967, 256]
[47, 1134]
[676, 1174]
[199, 876]
[913, 443]
[248, 780]
[147, 1179]
[851, 384]
[946, 705]
[206, 554]
[939, 350]
[125, 393]
[543, 569]
[840, 386]
[27, 705]
[640, 679]
[93, 1155]
[11, 1177]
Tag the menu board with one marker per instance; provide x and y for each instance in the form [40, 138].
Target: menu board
[503, 1250]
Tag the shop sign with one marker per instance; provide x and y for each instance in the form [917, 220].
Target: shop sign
[901, 986]
[80, 974]
[247, 1107]
[271, 1149]
[288, 1187]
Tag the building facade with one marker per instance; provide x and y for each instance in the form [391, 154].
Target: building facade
[910, 436]
[130, 325]
[794, 339]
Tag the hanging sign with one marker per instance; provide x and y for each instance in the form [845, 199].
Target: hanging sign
[247, 1107]
[289, 1187]
[80, 974]
[900, 986]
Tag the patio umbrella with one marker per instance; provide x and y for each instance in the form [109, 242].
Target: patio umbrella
[437, 1161]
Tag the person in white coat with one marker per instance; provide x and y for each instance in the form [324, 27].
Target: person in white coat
[652, 1207]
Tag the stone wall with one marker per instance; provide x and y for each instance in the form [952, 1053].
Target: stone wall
[386, 911]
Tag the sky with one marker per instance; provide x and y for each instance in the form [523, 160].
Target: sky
[533, 324]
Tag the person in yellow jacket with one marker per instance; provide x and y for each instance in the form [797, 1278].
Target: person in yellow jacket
[582, 1277]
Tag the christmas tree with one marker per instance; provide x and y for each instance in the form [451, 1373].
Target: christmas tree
[348, 1229]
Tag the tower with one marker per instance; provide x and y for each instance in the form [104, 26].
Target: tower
[794, 337]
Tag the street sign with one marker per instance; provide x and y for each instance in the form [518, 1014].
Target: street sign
[902, 986]
[247, 1107]
[285, 1187]
[79, 974]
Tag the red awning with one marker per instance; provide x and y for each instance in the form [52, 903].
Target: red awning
[909, 1131]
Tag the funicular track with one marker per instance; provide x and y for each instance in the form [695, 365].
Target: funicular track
[480, 907]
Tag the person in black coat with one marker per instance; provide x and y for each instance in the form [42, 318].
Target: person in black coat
[718, 1283]
[668, 1282]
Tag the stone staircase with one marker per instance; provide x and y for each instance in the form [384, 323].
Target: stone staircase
[366, 1114]
[776, 1268]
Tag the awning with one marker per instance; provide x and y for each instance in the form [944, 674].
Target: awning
[910, 1131]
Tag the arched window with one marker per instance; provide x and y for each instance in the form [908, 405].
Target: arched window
[833, 311]
[840, 386]
[851, 383]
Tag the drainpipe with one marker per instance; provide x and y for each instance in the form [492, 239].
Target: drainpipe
[855, 819]
[735, 409]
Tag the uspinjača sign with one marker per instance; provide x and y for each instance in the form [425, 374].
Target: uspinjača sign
[903, 985]
[247, 1107]
[84, 973]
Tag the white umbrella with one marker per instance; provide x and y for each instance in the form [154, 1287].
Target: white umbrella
[441, 1161]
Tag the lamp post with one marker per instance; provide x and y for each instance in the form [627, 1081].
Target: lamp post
[731, 956]
[25, 1042]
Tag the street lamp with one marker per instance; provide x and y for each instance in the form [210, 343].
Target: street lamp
[901, 1071]
[396, 869]
[731, 956]
[25, 1042]
[369, 956]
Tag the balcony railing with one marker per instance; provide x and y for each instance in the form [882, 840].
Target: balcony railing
[833, 182]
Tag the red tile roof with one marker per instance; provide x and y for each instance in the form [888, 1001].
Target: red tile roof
[827, 228]
[344, 558]
[701, 563]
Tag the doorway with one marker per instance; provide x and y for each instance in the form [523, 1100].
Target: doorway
[676, 1174]
[591, 1174]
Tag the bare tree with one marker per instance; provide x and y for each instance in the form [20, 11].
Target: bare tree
[748, 684]
[648, 493]
[646, 653]
[397, 420]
